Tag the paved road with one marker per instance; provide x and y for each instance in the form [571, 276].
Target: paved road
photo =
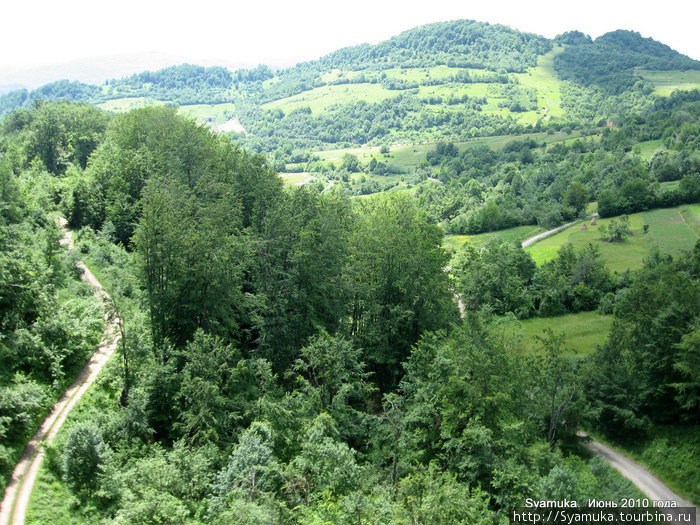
[19, 489]
[540, 236]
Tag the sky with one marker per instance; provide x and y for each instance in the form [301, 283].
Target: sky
[37, 33]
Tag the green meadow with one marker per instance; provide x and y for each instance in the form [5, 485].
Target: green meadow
[666, 82]
[541, 78]
[413, 155]
[545, 81]
[295, 179]
[219, 112]
[201, 112]
[583, 331]
[648, 148]
[519, 233]
[671, 230]
[122, 105]
[321, 98]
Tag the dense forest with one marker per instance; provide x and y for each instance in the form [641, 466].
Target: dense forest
[290, 356]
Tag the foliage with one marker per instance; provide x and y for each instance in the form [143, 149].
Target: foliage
[84, 458]
[608, 60]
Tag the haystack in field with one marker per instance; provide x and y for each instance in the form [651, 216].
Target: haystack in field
[593, 222]
[584, 227]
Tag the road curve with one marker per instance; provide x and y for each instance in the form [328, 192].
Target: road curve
[651, 486]
[13, 508]
[540, 236]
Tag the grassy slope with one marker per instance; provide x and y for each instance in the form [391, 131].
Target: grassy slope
[295, 179]
[319, 99]
[518, 233]
[542, 78]
[582, 331]
[121, 105]
[219, 112]
[670, 230]
[666, 82]
[648, 148]
[412, 155]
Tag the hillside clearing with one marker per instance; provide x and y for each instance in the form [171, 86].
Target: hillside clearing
[583, 331]
[670, 230]
[517, 234]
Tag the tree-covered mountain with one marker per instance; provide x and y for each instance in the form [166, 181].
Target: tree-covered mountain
[462, 45]
[609, 61]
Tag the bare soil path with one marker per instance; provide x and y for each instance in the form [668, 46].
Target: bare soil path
[648, 484]
[15, 502]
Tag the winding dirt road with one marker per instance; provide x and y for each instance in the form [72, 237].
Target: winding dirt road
[14, 505]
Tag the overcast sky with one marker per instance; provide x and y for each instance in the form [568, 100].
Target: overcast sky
[280, 33]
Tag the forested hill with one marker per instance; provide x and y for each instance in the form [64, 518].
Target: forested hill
[460, 43]
[610, 61]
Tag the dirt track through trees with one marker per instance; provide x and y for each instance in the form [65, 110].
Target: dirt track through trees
[15, 503]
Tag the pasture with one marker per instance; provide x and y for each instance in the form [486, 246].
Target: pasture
[413, 155]
[122, 105]
[542, 78]
[666, 82]
[670, 231]
[648, 148]
[583, 331]
[518, 233]
[201, 112]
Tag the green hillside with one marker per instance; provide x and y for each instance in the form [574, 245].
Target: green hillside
[669, 231]
[445, 81]
[582, 331]
[317, 277]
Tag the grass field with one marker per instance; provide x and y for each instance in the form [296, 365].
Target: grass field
[454, 242]
[121, 105]
[670, 230]
[219, 112]
[582, 331]
[542, 78]
[296, 179]
[649, 147]
[409, 74]
[545, 81]
[666, 82]
[320, 98]
[412, 155]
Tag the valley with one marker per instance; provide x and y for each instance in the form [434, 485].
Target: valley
[390, 285]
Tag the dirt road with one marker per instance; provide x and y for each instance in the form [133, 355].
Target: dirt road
[19, 489]
[651, 486]
[540, 236]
